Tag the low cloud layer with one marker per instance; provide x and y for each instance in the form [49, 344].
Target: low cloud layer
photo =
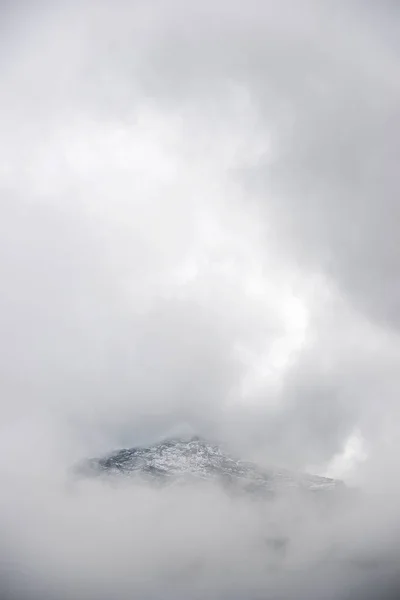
[198, 231]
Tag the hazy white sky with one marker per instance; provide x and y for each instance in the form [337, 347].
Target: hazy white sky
[199, 228]
[165, 165]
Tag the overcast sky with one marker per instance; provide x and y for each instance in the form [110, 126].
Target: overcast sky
[199, 231]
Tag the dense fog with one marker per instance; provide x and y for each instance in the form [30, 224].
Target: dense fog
[198, 233]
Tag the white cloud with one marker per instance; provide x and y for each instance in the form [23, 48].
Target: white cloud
[198, 229]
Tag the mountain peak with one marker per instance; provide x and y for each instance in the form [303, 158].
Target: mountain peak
[193, 457]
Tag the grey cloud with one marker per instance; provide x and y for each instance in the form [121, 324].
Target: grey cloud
[322, 87]
[170, 174]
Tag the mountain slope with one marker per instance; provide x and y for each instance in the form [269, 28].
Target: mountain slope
[178, 460]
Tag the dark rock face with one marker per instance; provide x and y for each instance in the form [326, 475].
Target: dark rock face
[196, 459]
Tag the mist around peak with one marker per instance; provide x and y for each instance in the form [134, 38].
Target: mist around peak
[199, 225]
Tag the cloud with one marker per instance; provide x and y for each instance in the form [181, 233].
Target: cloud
[197, 229]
